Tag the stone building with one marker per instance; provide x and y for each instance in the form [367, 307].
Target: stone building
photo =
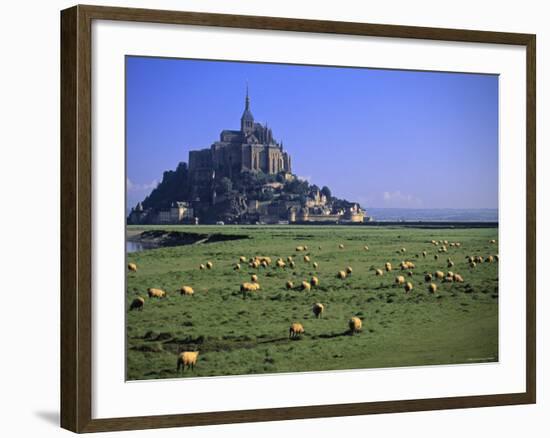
[354, 214]
[138, 215]
[325, 214]
[251, 148]
[316, 199]
[179, 212]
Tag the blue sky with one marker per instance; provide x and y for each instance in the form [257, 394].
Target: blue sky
[384, 138]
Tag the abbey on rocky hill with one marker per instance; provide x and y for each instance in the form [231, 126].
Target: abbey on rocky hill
[245, 177]
[252, 148]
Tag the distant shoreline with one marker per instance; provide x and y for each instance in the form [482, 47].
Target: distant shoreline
[133, 232]
[411, 224]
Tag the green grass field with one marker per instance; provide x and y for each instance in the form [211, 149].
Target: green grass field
[458, 324]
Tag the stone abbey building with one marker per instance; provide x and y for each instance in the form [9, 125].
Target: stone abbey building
[252, 148]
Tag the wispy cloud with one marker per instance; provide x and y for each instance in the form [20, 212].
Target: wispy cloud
[140, 188]
[398, 199]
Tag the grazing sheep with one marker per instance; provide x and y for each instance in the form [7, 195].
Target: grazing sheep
[300, 248]
[387, 266]
[292, 265]
[399, 279]
[473, 264]
[428, 277]
[439, 274]
[432, 288]
[410, 273]
[264, 264]
[201, 267]
[354, 325]
[452, 244]
[289, 259]
[450, 264]
[424, 253]
[186, 290]
[254, 278]
[342, 274]
[407, 265]
[436, 256]
[379, 272]
[137, 304]
[261, 259]
[493, 241]
[307, 259]
[478, 259]
[341, 246]
[458, 244]
[249, 287]
[408, 287]
[434, 242]
[242, 259]
[289, 284]
[237, 267]
[305, 247]
[280, 263]
[132, 267]
[490, 259]
[306, 286]
[209, 265]
[315, 265]
[155, 293]
[366, 247]
[318, 310]
[403, 250]
[349, 270]
[314, 281]
[496, 258]
[296, 329]
[449, 279]
[445, 242]
[458, 278]
[187, 359]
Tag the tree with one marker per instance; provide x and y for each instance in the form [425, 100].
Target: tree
[173, 187]
[265, 196]
[297, 187]
[326, 191]
[224, 186]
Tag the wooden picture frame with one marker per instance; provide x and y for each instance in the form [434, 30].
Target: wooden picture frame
[76, 218]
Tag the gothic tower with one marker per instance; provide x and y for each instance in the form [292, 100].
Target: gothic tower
[247, 119]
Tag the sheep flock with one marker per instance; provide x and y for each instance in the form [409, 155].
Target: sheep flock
[315, 280]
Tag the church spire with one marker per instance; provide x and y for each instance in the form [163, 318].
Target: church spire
[247, 119]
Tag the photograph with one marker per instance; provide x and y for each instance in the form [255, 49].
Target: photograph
[289, 218]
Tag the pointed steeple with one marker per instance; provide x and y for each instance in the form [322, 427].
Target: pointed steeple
[247, 119]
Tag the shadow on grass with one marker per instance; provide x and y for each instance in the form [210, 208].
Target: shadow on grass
[333, 335]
